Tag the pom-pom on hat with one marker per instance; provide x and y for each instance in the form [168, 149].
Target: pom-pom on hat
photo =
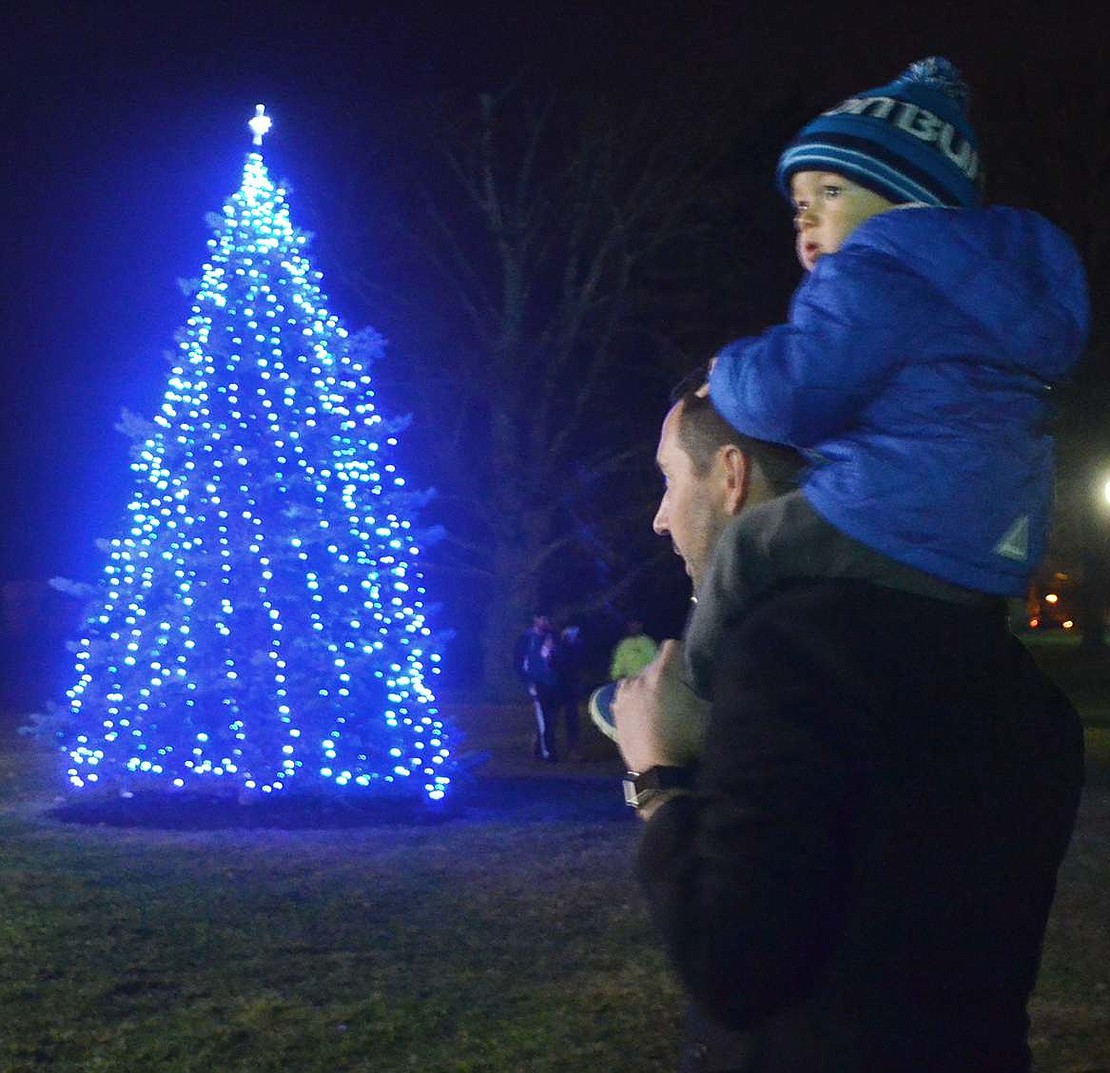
[910, 140]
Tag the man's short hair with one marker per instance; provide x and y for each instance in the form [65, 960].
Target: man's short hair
[702, 432]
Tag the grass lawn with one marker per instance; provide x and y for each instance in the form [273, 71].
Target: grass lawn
[510, 939]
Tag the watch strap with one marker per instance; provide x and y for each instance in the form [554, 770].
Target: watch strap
[640, 788]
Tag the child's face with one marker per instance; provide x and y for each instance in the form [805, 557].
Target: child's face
[827, 209]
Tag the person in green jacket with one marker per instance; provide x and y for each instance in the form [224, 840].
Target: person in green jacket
[633, 652]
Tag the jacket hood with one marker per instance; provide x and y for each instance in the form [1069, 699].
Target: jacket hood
[1010, 271]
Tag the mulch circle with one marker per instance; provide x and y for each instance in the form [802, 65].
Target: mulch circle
[479, 799]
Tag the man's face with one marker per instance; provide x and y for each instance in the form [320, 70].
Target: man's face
[693, 508]
[827, 209]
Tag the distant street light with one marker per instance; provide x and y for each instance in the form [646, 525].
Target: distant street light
[1092, 608]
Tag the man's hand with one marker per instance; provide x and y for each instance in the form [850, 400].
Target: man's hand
[659, 718]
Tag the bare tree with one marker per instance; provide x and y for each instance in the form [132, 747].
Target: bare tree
[560, 248]
[577, 268]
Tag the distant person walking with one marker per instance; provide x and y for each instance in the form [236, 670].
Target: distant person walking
[537, 661]
[633, 652]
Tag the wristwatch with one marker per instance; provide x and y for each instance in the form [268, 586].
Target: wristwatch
[640, 788]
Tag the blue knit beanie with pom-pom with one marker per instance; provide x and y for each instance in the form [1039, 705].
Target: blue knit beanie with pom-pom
[910, 140]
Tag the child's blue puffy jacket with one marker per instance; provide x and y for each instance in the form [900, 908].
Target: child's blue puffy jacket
[916, 370]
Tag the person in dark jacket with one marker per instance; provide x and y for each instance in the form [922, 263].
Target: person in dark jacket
[851, 851]
[538, 665]
[916, 364]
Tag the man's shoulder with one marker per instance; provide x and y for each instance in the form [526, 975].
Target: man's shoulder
[876, 597]
[857, 647]
[853, 612]
[833, 591]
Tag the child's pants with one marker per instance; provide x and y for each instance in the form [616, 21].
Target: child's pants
[772, 542]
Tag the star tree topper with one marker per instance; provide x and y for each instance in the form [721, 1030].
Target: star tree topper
[259, 123]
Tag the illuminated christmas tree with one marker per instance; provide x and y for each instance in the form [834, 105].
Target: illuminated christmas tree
[260, 626]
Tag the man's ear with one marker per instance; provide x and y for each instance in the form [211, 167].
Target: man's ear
[737, 473]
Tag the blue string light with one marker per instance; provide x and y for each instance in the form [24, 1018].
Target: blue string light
[261, 622]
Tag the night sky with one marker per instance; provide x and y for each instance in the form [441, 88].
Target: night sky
[124, 124]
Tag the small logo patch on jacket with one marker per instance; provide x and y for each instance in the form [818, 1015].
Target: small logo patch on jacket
[1015, 541]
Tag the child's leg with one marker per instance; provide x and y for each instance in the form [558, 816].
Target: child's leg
[780, 539]
[751, 555]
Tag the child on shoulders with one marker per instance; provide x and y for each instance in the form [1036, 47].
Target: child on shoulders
[915, 368]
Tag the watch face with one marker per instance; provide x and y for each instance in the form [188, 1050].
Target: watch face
[631, 796]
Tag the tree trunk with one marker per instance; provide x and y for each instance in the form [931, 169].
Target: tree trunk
[507, 614]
